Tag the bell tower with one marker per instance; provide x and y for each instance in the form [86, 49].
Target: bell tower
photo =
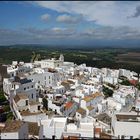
[61, 58]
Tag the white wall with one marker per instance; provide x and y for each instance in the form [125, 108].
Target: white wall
[54, 107]
[23, 131]
[12, 135]
[84, 104]
[127, 129]
[35, 118]
[46, 79]
[21, 104]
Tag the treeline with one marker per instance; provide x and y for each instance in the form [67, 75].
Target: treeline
[102, 57]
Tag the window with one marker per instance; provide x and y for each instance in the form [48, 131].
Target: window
[118, 136]
[24, 88]
[26, 102]
[45, 77]
[32, 95]
[38, 107]
[49, 77]
[39, 82]
[32, 86]
[122, 136]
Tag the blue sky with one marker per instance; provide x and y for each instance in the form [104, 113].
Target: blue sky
[70, 23]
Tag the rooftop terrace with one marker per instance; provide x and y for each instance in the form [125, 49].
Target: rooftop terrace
[128, 118]
[12, 126]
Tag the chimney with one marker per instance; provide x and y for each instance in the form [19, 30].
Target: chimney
[53, 137]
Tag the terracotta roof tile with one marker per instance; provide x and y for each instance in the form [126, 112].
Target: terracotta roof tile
[97, 130]
[87, 98]
[68, 105]
[33, 128]
[81, 111]
[12, 126]
[90, 108]
[19, 97]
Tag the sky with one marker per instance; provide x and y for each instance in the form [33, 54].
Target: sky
[91, 23]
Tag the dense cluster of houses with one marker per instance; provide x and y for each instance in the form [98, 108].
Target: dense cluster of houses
[75, 100]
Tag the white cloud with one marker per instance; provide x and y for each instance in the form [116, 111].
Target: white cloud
[114, 33]
[57, 29]
[45, 17]
[55, 32]
[68, 18]
[61, 35]
[106, 13]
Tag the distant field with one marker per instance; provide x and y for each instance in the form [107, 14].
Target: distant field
[130, 57]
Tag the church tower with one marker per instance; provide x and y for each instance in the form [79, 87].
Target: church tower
[61, 58]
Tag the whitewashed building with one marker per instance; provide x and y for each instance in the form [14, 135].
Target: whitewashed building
[126, 125]
[15, 130]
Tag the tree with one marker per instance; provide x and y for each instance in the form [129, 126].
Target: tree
[33, 56]
[2, 97]
[138, 86]
[107, 92]
[38, 57]
[125, 82]
[9, 116]
[6, 108]
[45, 103]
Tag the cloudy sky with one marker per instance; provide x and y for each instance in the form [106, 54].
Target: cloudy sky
[90, 23]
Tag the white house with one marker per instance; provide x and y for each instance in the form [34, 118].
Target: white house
[21, 101]
[113, 104]
[60, 128]
[84, 129]
[137, 104]
[125, 95]
[27, 86]
[90, 102]
[102, 106]
[69, 108]
[7, 86]
[55, 106]
[110, 79]
[47, 78]
[15, 130]
[124, 72]
[52, 63]
[126, 125]
[50, 127]
[80, 113]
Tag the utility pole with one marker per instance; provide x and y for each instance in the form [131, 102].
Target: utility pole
[53, 136]
[94, 131]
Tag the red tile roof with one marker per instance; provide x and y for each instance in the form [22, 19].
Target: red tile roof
[68, 105]
[97, 130]
[133, 82]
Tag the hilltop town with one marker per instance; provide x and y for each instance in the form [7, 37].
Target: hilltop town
[56, 99]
